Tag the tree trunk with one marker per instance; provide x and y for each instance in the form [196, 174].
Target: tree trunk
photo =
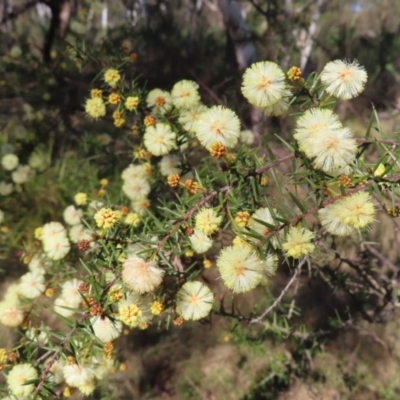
[238, 32]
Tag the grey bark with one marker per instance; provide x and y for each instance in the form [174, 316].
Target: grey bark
[239, 32]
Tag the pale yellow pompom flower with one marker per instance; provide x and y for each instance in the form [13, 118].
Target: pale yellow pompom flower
[76, 375]
[159, 139]
[344, 79]
[95, 107]
[188, 118]
[112, 77]
[194, 301]
[298, 242]
[159, 100]
[332, 150]
[263, 84]
[218, 124]
[131, 103]
[80, 199]
[278, 108]
[140, 275]
[105, 329]
[105, 218]
[315, 122]
[240, 267]
[11, 313]
[348, 214]
[185, 94]
[17, 378]
[207, 221]
[132, 219]
[200, 242]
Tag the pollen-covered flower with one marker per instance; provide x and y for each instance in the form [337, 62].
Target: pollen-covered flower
[194, 300]
[169, 165]
[263, 84]
[189, 118]
[298, 242]
[344, 79]
[56, 247]
[322, 138]
[207, 221]
[218, 124]
[140, 275]
[80, 199]
[112, 77]
[333, 150]
[185, 94]
[11, 313]
[17, 378]
[157, 307]
[70, 290]
[105, 329]
[137, 188]
[22, 174]
[159, 139]
[200, 242]
[6, 188]
[242, 218]
[132, 219]
[130, 314]
[9, 162]
[240, 267]
[79, 232]
[72, 215]
[131, 103]
[134, 171]
[247, 137]
[31, 285]
[159, 100]
[313, 123]
[348, 214]
[279, 107]
[76, 375]
[105, 218]
[95, 107]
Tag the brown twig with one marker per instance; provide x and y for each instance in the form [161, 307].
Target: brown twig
[279, 298]
[56, 351]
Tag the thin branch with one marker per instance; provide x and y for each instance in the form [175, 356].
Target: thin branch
[279, 298]
[56, 351]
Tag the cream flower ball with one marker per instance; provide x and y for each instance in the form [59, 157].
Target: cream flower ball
[159, 139]
[6, 188]
[72, 215]
[105, 329]
[137, 188]
[140, 275]
[218, 125]
[76, 375]
[169, 165]
[185, 94]
[11, 313]
[344, 79]
[9, 162]
[200, 242]
[159, 100]
[263, 84]
[32, 285]
[17, 378]
[240, 267]
[57, 247]
[22, 174]
[194, 300]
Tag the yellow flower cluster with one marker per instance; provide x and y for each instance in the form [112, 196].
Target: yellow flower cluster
[105, 218]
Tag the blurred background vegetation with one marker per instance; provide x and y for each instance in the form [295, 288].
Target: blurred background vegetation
[51, 50]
